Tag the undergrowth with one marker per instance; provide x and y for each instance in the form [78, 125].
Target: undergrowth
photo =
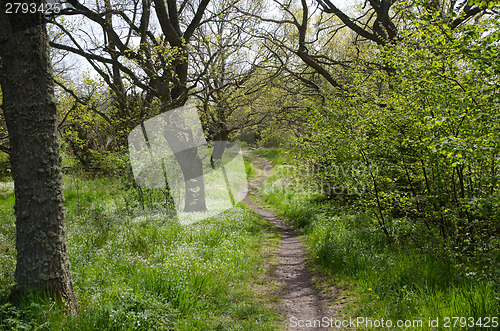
[397, 281]
[275, 155]
[135, 266]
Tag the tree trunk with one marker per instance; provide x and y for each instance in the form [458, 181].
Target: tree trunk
[186, 154]
[192, 170]
[30, 111]
[188, 159]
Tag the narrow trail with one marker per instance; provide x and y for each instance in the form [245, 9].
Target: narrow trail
[299, 300]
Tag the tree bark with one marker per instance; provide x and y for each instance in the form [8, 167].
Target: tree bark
[30, 112]
[186, 154]
[192, 170]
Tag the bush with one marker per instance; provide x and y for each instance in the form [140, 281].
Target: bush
[5, 169]
[402, 279]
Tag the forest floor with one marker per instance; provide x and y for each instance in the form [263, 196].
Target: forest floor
[299, 301]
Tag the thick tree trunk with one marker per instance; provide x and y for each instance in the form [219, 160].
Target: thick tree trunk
[186, 154]
[192, 170]
[188, 159]
[30, 111]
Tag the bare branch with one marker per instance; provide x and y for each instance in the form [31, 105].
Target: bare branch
[329, 7]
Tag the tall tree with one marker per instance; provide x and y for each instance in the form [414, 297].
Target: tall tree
[225, 51]
[310, 35]
[152, 57]
[30, 112]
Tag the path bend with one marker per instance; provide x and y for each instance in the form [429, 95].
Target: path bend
[300, 302]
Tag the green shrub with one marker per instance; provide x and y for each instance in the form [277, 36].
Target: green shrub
[402, 279]
[5, 170]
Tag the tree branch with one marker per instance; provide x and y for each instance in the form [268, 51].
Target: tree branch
[80, 101]
[329, 7]
[90, 56]
[166, 26]
[466, 14]
[196, 20]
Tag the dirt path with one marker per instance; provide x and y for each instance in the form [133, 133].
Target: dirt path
[300, 302]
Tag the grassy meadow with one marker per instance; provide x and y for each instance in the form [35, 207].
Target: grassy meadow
[136, 267]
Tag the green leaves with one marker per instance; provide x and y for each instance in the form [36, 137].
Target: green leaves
[431, 127]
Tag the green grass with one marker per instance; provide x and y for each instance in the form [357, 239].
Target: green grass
[4, 166]
[275, 155]
[138, 268]
[250, 170]
[397, 282]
